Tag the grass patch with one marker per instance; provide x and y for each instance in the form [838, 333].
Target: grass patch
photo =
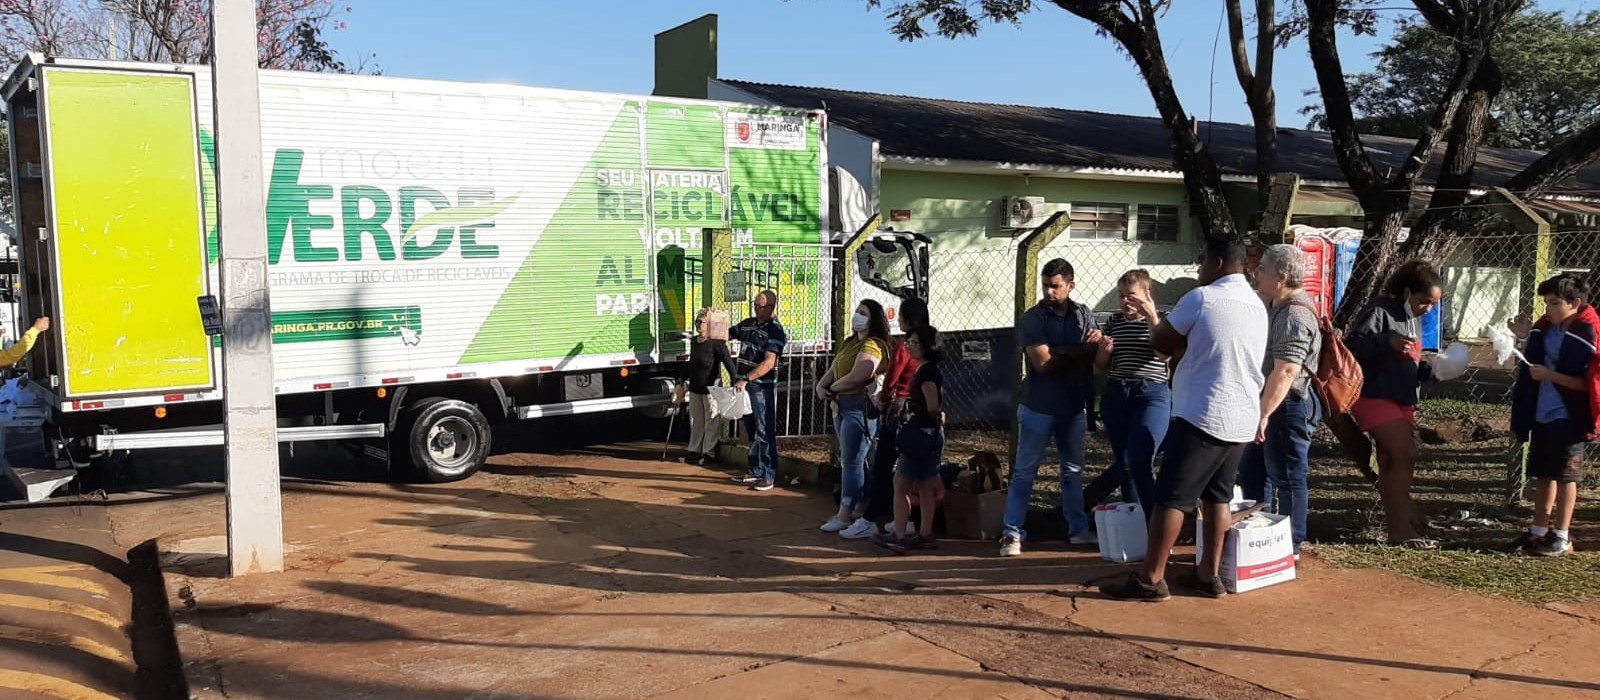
[1346, 523]
[1455, 409]
[1528, 579]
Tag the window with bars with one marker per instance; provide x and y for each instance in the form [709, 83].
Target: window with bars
[1095, 221]
[1157, 222]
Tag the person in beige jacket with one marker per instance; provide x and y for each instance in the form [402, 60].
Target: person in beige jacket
[20, 349]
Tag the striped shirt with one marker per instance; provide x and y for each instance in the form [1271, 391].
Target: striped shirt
[1131, 354]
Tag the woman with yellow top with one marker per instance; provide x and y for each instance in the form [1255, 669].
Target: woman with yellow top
[20, 349]
[857, 363]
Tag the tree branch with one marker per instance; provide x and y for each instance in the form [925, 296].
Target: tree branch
[1444, 113]
[1561, 162]
[1236, 41]
[1266, 49]
[1321, 36]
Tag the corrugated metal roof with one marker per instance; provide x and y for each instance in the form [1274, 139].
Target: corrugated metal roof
[920, 127]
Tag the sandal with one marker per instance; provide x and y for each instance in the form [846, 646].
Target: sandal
[914, 541]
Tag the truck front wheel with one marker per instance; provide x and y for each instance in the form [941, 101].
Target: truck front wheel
[445, 439]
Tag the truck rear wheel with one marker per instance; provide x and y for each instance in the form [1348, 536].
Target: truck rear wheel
[444, 439]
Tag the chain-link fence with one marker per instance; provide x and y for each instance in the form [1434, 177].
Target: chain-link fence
[802, 275]
[1488, 281]
[973, 297]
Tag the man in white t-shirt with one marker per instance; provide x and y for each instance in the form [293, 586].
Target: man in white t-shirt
[1220, 331]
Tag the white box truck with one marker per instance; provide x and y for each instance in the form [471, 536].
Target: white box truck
[443, 255]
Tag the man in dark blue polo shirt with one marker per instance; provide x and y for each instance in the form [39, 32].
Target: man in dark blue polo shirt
[1059, 339]
[761, 342]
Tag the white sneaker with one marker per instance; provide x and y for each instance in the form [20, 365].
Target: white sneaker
[1085, 537]
[861, 529]
[1010, 547]
[834, 524]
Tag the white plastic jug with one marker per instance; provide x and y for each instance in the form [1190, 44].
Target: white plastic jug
[1122, 531]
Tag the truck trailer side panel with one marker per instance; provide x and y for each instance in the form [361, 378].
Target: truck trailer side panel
[424, 231]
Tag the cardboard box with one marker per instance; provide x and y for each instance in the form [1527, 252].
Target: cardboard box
[1255, 557]
[972, 516]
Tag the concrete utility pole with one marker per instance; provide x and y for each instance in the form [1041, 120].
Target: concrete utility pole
[255, 499]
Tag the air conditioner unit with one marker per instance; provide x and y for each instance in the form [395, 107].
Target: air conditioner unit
[1022, 212]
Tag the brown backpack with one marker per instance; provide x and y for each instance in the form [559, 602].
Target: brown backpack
[1338, 378]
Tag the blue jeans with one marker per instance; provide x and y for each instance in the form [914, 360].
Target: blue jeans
[854, 432]
[1275, 472]
[1136, 415]
[763, 426]
[1034, 431]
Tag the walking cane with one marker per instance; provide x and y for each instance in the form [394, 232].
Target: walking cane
[672, 418]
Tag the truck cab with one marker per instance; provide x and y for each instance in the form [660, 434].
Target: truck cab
[890, 267]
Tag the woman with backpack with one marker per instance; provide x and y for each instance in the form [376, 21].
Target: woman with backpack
[921, 440]
[891, 405]
[1386, 341]
[1276, 468]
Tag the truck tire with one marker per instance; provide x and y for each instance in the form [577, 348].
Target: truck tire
[443, 439]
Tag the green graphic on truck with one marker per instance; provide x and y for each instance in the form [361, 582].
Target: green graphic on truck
[526, 258]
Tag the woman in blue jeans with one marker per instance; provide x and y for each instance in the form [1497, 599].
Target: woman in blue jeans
[1276, 469]
[847, 385]
[1137, 402]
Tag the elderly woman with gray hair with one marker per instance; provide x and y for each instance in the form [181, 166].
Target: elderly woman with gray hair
[1275, 469]
[708, 357]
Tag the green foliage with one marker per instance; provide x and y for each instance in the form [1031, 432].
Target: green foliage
[1551, 67]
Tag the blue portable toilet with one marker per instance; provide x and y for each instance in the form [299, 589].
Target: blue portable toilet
[1432, 323]
[1344, 261]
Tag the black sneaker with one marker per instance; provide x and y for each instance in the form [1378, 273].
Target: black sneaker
[913, 542]
[1131, 588]
[1526, 542]
[746, 479]
[763, 486]
[886, 540]
[1213, 588]
[1551, 546]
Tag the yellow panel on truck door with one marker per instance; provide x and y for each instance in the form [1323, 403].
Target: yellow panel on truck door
[126, 226]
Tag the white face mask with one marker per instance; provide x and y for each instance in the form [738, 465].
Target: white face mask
[858, 322]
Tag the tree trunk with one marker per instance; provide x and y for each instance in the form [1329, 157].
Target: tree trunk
[1202, 179]
[1377, 256]
[1453, 189]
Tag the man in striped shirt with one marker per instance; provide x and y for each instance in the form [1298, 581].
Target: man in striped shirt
[1137, 403]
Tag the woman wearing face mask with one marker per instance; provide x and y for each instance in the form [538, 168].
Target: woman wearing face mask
[857, 362]
[1385, 342]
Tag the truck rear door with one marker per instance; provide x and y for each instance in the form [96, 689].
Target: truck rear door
[125, 231]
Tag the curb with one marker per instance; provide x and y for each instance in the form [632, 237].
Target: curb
[815, 474]
[159, 674]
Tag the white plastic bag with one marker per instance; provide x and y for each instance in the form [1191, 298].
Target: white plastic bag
[1451, 363]
[729, 404]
